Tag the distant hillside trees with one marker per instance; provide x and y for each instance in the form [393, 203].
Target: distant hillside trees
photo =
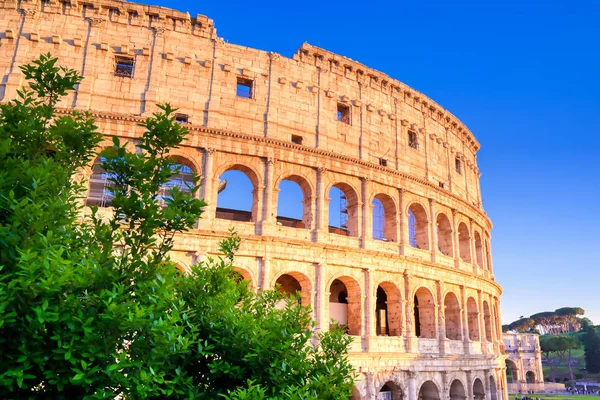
[592, 350]
[561, 320]
[561, 346]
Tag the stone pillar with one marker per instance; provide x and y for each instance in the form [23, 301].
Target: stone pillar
[268, 218]
[401, 214]
[206, 189]
[441, 317]
[481, 319]
[469, 384]
[150, 95]
[321, 225]
[320, 300]
[464, 319]
[426, 145]
[449, 159]
[367, 211]
[472, 247]
[369, 310]
[83, 94]
[412, 386]
[486, 384]
[434, 232]
[445, 392]
[20, 45]
[493, 332]
[265, 272]
[409, 310]
[504, 386]
[456, 243]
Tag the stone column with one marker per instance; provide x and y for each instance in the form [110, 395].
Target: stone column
[464, 319]
[441, 317]
[449, 159]
[268, 218]
[412, 386]
[368, 310]
[367, 217]
[401, 214]
[409, 310]
[472, 247]
[150, 95]
[84, 91]
[469, 384]
[486, 384]
[320, 301]
[493, 334]
[206, 189]
[481, 319]
[445, 392]
[265, 272]
[434, 232]
[456, 243]
[20, 45]
[503, 387]
[321, 225]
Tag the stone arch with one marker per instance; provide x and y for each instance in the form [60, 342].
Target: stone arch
[384, 221]
[307, 201]
[345, 304]
[512, 371]
[464, 242]
[444, 235]
[390, 391]
[457, 390]
[530, 377]
[244, 275]
[478, 390]
[424, 309]
[429, 391]
[452, 317]
[493, 389]
[183, 180]
[388, 310]
[251, 215]
[487, 321]
[473, 319]
[418, 227]
[478, 249]
[188, 158]
[348, 209]
[355, 394]
[99, 187]
[294, 283]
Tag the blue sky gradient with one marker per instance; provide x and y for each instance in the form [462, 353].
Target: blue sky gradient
[522, 75]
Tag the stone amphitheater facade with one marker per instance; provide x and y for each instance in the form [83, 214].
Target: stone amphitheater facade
[419, 299]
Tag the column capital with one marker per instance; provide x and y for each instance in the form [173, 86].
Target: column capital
[270, 161]
[209, 151]
[321, 170]
[365, 179]
[431, 202]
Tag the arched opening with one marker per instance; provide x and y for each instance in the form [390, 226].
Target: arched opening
[444, 235]
[478, 390]
[457, 390]
[452, 317]
[512, 373]
[429, 391]
[384, 218]
[100, 188]
[424, 314]
[530, 377]
[473, 318]
[418, 232]
[390, 391]
[295, 284]
[493, 389]
[243, 276]
[343, 210]
[183, 179]
[355, 394]
[478, 249]
[487, 321]
[344, 304]
[294, 203]
[388, 310]
[464, 242]
[237, 197]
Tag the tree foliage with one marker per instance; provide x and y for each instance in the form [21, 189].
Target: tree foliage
[90, 304]
[560, 345]
[559, 321]
[592, 350]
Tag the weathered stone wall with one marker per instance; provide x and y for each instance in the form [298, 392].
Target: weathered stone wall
[446, 280]
[524, 355]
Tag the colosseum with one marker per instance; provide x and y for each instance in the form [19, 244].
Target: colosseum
[390, 240]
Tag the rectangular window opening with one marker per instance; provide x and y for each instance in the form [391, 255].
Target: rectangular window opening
[244, 88]
[412, 140]
[442, 185]
[343, 113]
[124, 66]
[458, 165]
[182, 118]
[383, 162]
[296, 139]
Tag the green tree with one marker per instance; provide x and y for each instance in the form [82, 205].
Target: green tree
[561, 345]
[568, 318]
[522, 325]
[91, 306]
[592, 350]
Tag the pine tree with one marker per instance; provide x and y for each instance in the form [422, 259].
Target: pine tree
[592, 350]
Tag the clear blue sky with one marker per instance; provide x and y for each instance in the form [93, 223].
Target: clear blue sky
[522, 75]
